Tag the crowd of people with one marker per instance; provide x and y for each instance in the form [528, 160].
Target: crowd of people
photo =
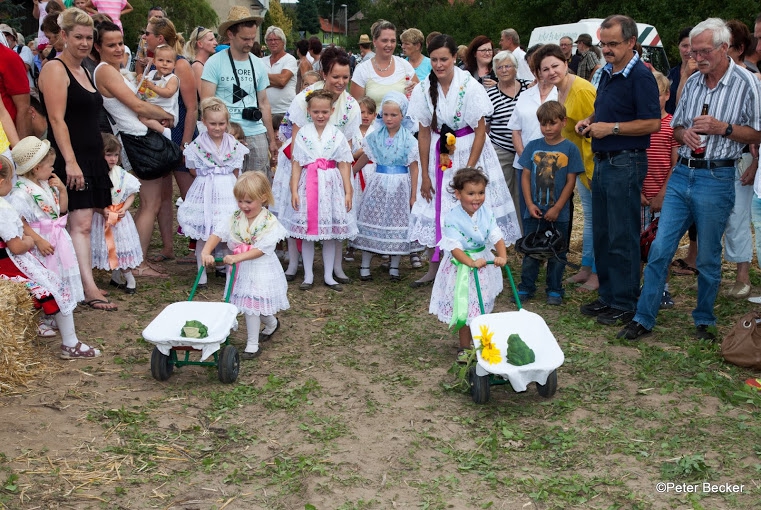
[450, 153]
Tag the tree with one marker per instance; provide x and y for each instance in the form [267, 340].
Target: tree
[12, 14]
[185, 14]
[275, 16]
[307, 16]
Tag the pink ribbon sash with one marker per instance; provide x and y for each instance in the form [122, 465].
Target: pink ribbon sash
[54, 232]
[313, 193]
[439, 184]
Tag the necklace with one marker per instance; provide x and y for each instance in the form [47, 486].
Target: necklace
[375, 63]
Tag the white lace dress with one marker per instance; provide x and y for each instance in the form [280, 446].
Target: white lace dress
[464, 106]
[346, 117]
[330, 219]
[468, 234]
[129, 254]
[39, 280]
[366, 172]
[210, 202]
[260, 287]
[383, 217]
[37, 203]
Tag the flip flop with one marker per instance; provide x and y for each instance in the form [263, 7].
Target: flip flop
[680, 268]
[93, 303]
[160, 258]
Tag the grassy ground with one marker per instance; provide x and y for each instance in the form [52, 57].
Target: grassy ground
[351, 406]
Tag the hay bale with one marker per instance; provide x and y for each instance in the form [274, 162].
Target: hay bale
[20, 361]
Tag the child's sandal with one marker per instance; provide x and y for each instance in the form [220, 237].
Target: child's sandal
[44, 330]
[76, 352]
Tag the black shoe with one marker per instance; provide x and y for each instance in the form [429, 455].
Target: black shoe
[220, 274]
[613, 316]
[305, 286]
[345, 281]
[417, 284]
[633, 331]
[290, 277]
[116, 284]
[703, 333]
[594, 308]
[130, 291]
[334, 286]
[250, 355]
[265, 337]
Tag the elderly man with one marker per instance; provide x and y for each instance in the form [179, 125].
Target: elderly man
[510, 41]
[701, 189]
[627, 110]
[282, 68]
[240, 80]
[566, 46]
[588, 62]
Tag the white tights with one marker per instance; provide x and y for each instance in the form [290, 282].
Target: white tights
[331, 249]
[253, 323]
[68, 332]
[293, 256]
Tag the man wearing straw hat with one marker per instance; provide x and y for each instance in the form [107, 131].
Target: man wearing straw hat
[364, 49]
[240, 80]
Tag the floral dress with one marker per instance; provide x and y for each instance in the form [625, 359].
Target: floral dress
[126, 242]
[37, 203]
[210, 202]
[259, 287]
[461, 109]
[322, 210]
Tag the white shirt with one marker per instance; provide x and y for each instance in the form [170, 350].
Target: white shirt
[524, 71]
[524, 116]
[280, 98]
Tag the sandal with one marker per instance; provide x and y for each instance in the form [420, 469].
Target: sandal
[160, 258]
[681, 268]
[97, 304]
[76, 352]
[147, 271]
[415, 261]
[45, 331]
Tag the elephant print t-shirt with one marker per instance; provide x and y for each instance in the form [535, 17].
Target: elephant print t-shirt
[549, 166]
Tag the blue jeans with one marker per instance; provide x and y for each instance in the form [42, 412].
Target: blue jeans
[705, 197]
[555, 268]
[587, 245]
[616, 188]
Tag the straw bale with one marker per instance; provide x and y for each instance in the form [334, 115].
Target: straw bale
[19, 359]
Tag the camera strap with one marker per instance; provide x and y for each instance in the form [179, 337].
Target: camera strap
[238, 93]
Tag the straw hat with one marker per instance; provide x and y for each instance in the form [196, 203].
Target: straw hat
[237, 14]
[364, 39]
[28, 153]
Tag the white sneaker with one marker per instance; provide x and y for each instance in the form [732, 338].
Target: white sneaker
[755, 299]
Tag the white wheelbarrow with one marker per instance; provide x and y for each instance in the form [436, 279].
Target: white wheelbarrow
[533, 331]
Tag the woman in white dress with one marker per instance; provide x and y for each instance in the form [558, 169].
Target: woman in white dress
[452, 101]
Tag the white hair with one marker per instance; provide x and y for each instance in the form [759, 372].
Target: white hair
[504, 55]
[718, 28]
[277, 31]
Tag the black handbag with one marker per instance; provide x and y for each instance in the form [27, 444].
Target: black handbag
[543, 244]
[152, 155]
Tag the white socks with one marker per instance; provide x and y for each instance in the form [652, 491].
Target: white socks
[270, 323]
[131, 284]
[307, 253]
[338, 269]
[395, 261]
[329, 259]
[199, 262]
[293, 257]
[253, 323]
[68, 332]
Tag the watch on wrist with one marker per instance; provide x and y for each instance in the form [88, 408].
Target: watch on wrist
[728, 130]
[616, 128]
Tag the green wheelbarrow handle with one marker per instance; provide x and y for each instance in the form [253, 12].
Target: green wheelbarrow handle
[478, 286]
[198, 279]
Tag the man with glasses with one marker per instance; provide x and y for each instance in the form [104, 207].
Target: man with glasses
[510, 41]
[240, 80]
[701, 190]
[282, 68]
[566, 46]
[627, 110]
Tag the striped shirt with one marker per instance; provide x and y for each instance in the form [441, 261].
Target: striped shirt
[735, 99]
[659, 158]
[499, 133]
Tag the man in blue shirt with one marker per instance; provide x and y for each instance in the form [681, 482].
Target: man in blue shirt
[240, 79]
[627, 110]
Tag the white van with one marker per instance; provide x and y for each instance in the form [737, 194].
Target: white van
[652, 48]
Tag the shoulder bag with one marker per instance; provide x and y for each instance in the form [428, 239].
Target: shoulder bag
[742, 346]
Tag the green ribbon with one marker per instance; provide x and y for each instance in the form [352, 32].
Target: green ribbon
[461, 289]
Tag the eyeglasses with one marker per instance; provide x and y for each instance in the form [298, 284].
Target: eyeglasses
[505, 67]
[489, 50]
[272, 41]
[703, 53]
[612, 44]
[146, 33]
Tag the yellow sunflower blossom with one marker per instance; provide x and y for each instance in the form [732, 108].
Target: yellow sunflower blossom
[489, 352]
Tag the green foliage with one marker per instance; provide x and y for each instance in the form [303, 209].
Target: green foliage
[690, 467]
[306, 13]
[12, 14]
[464, 21]
[275, 16]
[185, 14]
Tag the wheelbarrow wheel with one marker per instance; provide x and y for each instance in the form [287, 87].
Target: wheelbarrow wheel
[161, 365]
[479, 386]
[228, 364]
[548, 389]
